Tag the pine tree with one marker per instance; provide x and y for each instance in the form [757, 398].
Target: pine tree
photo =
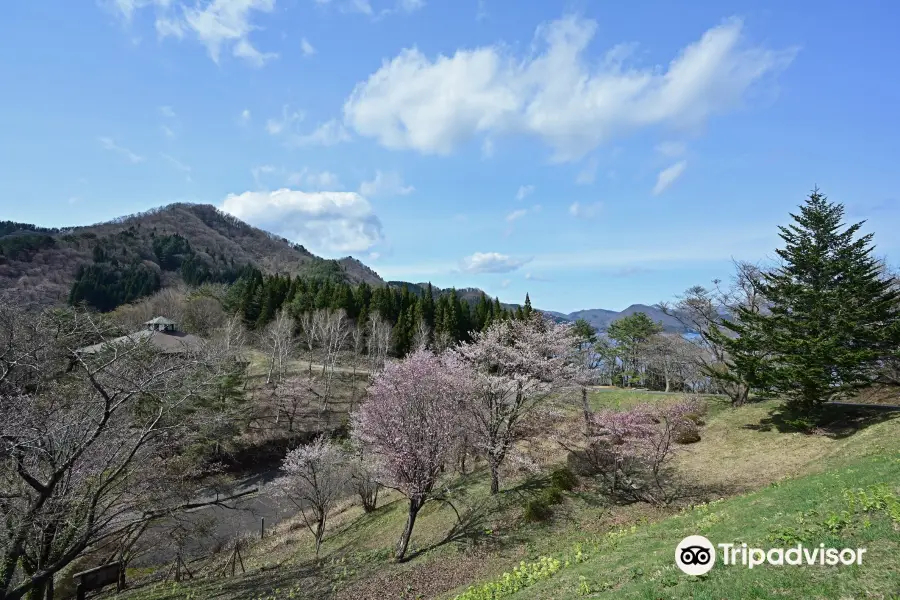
[832, 316]
[527, 310]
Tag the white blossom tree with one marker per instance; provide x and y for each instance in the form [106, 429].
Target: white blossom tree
[514, 365]
[315, 478]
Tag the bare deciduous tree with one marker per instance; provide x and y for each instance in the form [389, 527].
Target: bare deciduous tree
[309, 332]
[334, 329]
[379, 342]
[88, 439]
[278, 340]
[702, 311]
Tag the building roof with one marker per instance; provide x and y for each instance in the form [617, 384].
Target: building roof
[167, 342]
[159, 321]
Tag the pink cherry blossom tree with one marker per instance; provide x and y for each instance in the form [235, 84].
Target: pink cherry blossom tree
[315, 479]
[630, 450]
[408, 426]
[515, 366]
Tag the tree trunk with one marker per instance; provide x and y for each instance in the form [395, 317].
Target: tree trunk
[586, 407]
[414, 505]
[495, 478]
[668, 379]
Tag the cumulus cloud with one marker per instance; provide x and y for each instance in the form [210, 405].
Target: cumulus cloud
[110, 145]
[554, 93]
[306, 47]
[524, 191]
[668, 176]
[216, 24]
[585, 211]
[385, 184]
[327, 222]
[492, 262]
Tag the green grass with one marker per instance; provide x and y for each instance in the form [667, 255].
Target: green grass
[786, 475]
[821, 508]
[622, 398]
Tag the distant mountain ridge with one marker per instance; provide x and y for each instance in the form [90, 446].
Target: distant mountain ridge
[41, 263]
[601, 318]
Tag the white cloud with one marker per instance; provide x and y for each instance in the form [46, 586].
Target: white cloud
[167, 111]
[524, 191]
[668, 176]
[359, 6]
[127, 8]
[328, 222]
[671, 149]
[516, 214]
[410, 5]
[385, 184]
[215, 24]
[481, 12]
[306, 47]
[109, 144]
[487, 148]
[245, 116]
[288, 118]
[315, 180]
[329, 133]
[505, 283]
[532, 277]
[244, 49]
[492, 262]
[554, 93]
[585, 211]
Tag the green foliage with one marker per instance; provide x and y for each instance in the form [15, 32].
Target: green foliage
[521, 577]
[105, 286]
[833, 315]
[564, 479]
[23, 246]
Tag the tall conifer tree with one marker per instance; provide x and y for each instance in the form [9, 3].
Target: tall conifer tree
[832, 315]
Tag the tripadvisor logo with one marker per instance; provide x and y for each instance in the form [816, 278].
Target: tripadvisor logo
[696, 555]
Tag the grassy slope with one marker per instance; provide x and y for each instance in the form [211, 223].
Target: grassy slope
[736, 454]
[811, 510]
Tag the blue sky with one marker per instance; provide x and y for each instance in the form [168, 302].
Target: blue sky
[594, 154]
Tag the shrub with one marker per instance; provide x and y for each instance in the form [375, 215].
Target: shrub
[564, 479]
[552, 495]
[537, 510]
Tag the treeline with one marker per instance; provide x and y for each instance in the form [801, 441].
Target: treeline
[257, 298]
[121, 273]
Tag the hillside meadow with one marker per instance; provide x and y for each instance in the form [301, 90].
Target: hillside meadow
[747, 479]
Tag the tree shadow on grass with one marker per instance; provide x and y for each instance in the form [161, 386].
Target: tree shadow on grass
[835, 421]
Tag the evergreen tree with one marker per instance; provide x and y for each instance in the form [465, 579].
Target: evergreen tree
[832, 315]
[526, 312]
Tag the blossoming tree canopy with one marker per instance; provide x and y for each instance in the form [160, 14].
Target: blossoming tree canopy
[409, 424]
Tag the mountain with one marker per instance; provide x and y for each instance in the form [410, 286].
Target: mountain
[157, 248]
[601, 318]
